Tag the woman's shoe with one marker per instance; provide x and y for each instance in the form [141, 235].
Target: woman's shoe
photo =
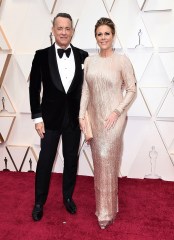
[104, 224]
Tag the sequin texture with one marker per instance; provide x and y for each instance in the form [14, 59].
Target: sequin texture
[102, 93]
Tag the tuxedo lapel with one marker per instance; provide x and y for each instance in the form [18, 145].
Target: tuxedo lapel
[54, 71]
[77, 59]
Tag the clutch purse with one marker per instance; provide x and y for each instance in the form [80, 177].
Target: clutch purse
[88, 133]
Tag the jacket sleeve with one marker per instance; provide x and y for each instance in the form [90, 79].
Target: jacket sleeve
[35, 87]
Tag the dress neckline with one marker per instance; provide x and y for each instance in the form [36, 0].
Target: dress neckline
[110, 56]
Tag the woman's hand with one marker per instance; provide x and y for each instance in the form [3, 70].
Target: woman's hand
[111, 120]
[83, 128]
[82, 125]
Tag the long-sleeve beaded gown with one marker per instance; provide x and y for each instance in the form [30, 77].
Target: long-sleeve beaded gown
[102, 93]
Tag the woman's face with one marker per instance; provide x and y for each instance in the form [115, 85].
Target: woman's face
[104, 37]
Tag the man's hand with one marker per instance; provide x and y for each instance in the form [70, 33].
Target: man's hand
[40, 128]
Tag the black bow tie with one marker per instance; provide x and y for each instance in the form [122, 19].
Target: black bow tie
[61, 51]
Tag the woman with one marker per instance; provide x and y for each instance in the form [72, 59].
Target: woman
[106, 74]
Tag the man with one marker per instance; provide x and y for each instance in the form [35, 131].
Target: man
[60, 73]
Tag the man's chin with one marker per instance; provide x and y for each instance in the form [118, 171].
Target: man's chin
[63, 43]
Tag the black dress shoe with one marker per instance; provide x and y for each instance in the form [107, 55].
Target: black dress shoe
[70, 205]
[37, 212]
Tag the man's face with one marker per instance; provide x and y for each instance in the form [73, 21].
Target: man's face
[62, 31]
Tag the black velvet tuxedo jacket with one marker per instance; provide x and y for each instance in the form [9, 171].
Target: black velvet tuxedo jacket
[54, 102]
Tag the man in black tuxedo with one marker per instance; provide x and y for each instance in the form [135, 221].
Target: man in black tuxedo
[59, 70]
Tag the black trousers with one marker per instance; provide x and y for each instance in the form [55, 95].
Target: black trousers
[70, 148]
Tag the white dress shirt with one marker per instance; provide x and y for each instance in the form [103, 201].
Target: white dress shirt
[66, 69]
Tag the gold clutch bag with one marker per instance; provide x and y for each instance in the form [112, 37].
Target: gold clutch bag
[88, 133]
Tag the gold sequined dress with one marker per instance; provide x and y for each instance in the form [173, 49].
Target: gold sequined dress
[102, 93]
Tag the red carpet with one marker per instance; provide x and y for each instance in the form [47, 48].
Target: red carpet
[146, 211]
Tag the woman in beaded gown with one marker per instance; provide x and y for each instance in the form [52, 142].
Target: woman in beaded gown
[105, 76]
